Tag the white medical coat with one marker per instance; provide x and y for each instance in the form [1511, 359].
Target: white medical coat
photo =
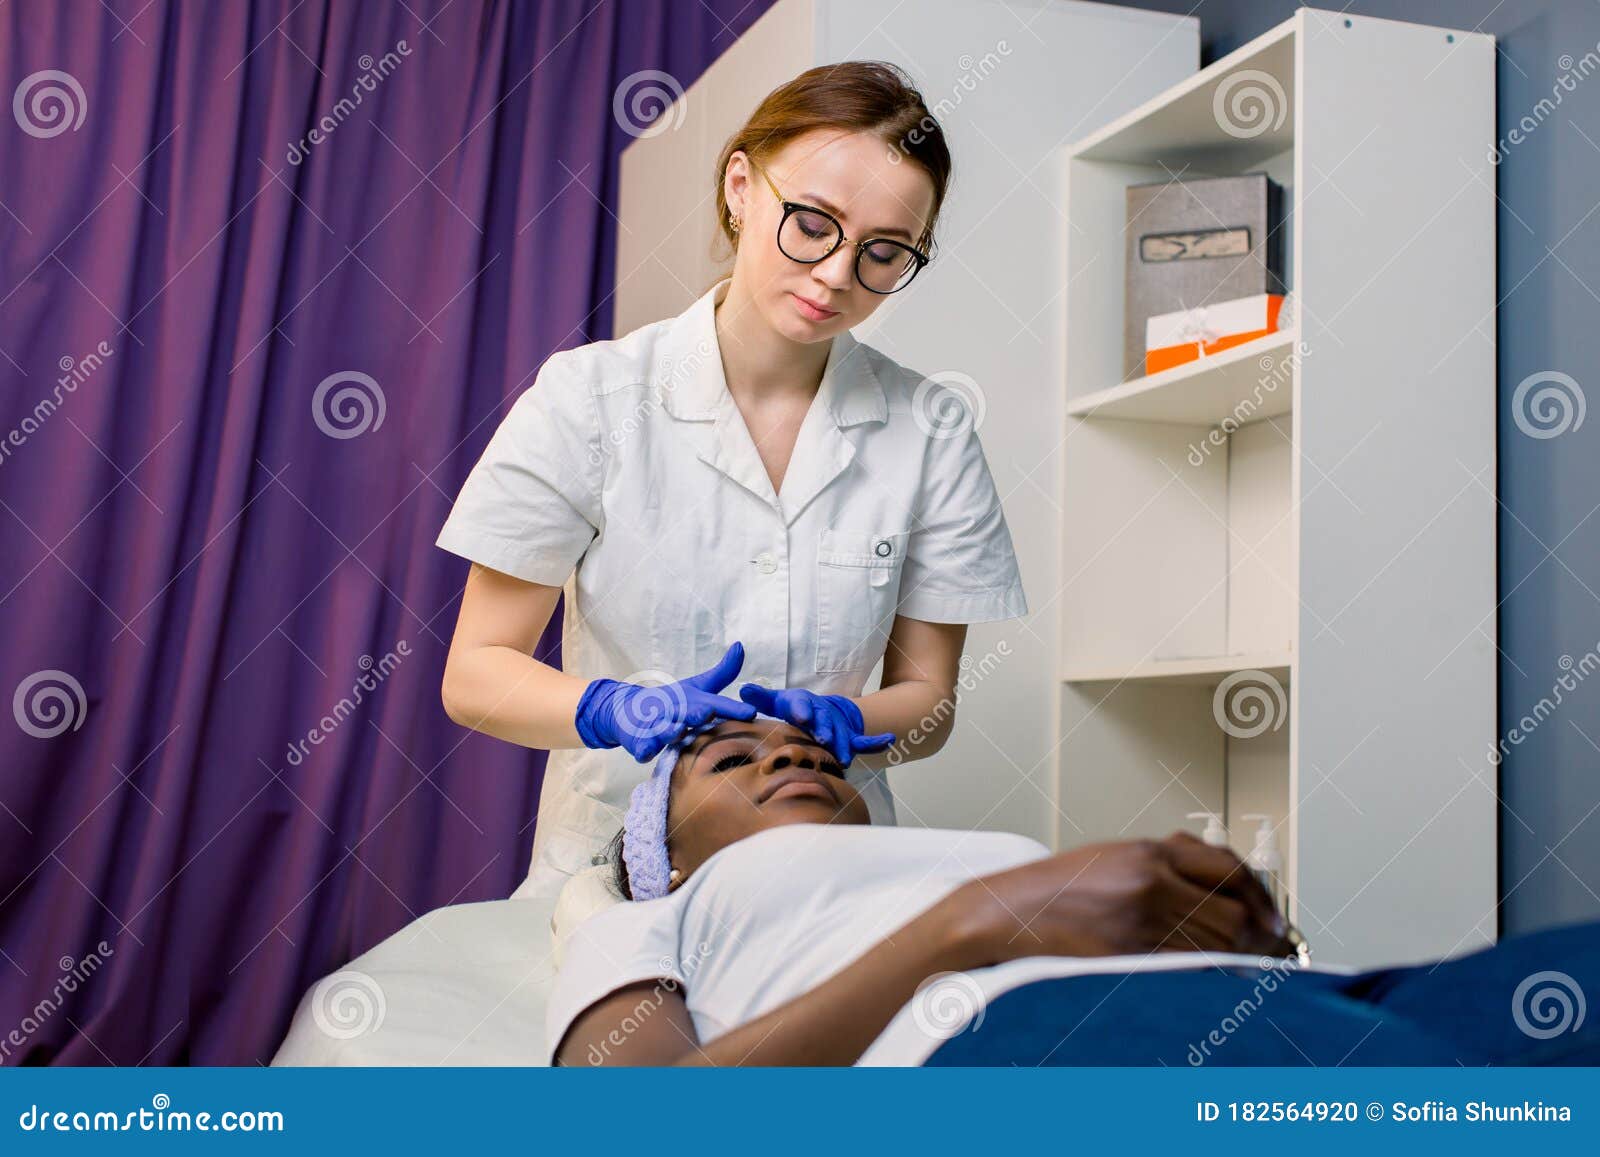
[626, 474]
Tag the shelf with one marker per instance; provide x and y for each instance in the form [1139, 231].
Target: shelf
[1196, 518]
[1203, 671]
[1234, 112]
[1245, 383]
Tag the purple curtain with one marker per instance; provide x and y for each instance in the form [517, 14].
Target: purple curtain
[270, 275]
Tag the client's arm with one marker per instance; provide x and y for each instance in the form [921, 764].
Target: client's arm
[1104, 899]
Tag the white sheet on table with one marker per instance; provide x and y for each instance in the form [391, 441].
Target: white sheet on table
[463, 985]
[467, 985]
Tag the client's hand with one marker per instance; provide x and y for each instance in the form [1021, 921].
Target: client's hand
[1126, 896]
[833, 721]
[645, 719]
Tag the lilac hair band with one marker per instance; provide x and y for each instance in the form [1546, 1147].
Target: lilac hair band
[644, 831]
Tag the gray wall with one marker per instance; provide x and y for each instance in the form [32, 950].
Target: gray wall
[1549, 486]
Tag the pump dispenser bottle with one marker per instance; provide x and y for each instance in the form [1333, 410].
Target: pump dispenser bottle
[1265, 860]
[1215, 834]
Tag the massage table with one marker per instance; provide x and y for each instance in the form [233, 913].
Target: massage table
[468, 984]
[461, 985]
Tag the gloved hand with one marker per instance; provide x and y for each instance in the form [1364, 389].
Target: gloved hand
[833, 721]
[644, 720]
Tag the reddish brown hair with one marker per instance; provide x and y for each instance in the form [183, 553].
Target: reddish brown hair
[868, 96]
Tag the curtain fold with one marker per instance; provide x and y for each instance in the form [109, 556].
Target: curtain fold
[270, 275]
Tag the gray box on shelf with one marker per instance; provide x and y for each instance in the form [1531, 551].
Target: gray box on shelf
[1193, 242]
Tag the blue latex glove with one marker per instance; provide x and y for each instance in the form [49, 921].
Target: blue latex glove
[645, 719]
[832, 720]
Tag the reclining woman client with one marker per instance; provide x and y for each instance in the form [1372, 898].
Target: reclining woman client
[769, 922]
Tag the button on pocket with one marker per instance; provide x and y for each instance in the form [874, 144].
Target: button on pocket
[858, 591]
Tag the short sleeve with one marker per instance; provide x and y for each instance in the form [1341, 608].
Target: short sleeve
[960, 564]
[531, 505]
[632, 941]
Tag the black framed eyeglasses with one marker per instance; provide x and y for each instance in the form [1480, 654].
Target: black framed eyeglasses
[807, 234]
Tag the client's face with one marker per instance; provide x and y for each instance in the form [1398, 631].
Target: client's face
[741, 778]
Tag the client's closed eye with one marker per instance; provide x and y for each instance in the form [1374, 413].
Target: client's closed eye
[826, 766]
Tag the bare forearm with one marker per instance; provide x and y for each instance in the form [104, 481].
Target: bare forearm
[835, 1022]
[512, 696]
[919, 712]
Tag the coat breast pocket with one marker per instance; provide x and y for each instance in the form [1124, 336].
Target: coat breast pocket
[858, 591]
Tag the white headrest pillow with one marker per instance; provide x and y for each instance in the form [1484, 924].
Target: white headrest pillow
[586, 893]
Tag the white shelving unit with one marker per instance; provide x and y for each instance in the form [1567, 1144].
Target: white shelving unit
[1302, 526]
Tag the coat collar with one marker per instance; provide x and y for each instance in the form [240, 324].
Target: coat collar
[691, 387]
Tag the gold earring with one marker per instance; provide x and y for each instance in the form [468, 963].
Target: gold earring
[733, 222]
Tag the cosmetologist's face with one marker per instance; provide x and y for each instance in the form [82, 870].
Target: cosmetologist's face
[852, 176]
